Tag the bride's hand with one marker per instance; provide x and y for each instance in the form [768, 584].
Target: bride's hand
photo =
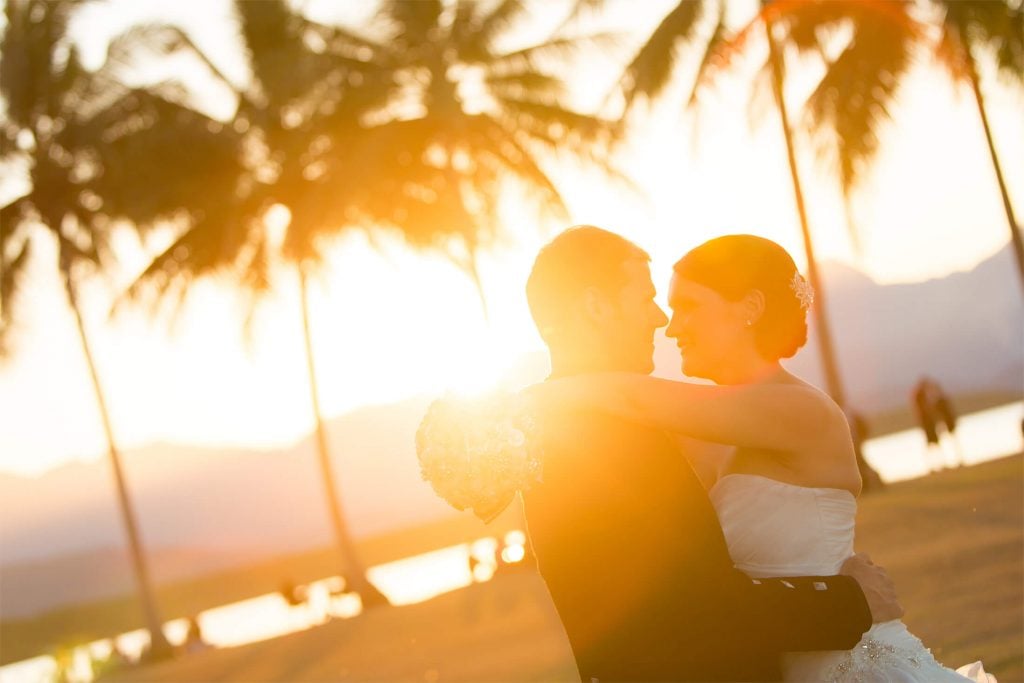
[878, 587]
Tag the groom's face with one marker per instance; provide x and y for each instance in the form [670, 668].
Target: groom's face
[629, 319]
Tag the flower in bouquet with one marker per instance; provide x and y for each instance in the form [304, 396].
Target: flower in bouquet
[478, 452]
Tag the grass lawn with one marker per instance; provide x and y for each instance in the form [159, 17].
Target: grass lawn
[954, 542]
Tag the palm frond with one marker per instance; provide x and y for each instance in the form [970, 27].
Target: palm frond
[527, 83]
[1010, 51]
[477, 34]
[994, 26]
[806, 25]
[159, 156]
[435, 176]
[652, 67]
[762, 96]
[390, 177]
[216, 238]
[735, 46]
[494, 139]
[559, 49]
[156, 41]
[852, 101]
[709, 59]
[553, 121]
[342, 41]
[464, 22]
[35, 29]
[581, 9]
[15, 253]
[951, 54]
[19, 73]
[413, 23]
[284, 68]
[806, 22]
[544, 126]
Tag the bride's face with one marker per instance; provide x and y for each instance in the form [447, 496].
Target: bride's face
[708, 328]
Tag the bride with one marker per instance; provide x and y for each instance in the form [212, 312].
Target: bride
[774, 451]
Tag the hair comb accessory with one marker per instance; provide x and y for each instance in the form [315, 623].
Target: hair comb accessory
[803, 290]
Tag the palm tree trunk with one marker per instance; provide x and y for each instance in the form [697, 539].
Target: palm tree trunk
[159, 647]
[352, 569]
[833, 382]
[1015, 236]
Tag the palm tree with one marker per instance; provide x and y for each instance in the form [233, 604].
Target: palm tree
[826, 347]
[49, 130]
[846, 107]
[473, 117]
[298, 104]
[971, 28]
[352, 132]
[852, 100]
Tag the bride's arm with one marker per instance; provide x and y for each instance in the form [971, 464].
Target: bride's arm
[707, 459]
[768, 416]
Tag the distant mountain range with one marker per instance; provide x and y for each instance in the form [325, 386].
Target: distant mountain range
[966, 330]
[203, 509]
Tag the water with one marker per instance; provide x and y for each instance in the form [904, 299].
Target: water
[903, 455]
[980, 436]
[404, 581]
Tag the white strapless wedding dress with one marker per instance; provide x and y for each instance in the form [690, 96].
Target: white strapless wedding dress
[776, 529]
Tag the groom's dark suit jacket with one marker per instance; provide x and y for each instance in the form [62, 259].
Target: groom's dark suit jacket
[637, 566]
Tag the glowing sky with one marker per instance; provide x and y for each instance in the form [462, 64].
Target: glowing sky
[389, 324]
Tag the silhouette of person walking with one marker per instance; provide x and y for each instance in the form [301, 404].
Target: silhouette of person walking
[934, 410]
[293, 595]
[194, 638]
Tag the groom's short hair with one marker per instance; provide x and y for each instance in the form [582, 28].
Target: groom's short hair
[580, 257]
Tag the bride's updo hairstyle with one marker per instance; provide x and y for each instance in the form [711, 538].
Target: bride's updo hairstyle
[733, 265]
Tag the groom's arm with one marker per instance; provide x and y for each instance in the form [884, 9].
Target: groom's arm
[808, 613]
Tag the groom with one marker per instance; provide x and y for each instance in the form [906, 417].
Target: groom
[625, 536]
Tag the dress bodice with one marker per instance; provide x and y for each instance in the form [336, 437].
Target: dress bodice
[779, 529]
[776, 529]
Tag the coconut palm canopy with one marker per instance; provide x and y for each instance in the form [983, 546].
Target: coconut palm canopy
[864, 47]
[984, 26]
[62, 127]
[969, 30]
[414, 124]
[85, 142]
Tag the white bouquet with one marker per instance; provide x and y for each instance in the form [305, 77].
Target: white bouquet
[477, 452]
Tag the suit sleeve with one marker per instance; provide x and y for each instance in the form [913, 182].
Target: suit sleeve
[800, 613]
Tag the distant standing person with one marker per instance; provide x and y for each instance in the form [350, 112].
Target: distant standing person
[944, 410]
[930, 406]
[194, 638]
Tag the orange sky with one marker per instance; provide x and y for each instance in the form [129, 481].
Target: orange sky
[392, 324]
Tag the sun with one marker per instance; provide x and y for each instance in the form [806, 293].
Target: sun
[476, 370]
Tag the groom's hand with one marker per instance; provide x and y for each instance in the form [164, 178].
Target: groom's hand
[877, 585]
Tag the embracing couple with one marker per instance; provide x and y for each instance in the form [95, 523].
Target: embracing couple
[700, 532]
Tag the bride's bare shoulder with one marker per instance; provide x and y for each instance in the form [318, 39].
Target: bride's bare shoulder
[822, 399]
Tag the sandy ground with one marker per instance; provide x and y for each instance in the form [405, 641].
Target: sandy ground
[954, 542]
